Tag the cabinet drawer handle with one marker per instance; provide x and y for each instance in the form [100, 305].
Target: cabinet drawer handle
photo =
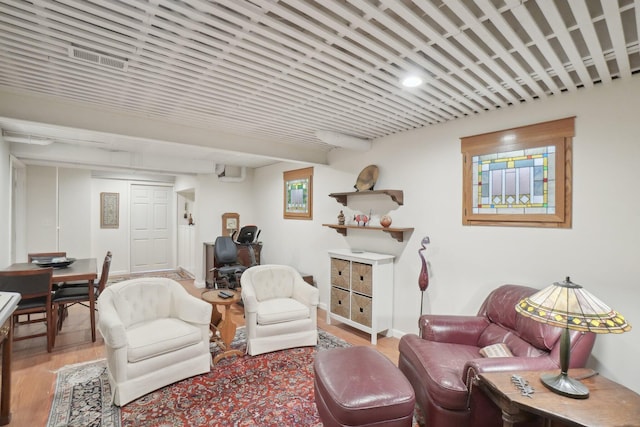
[361, 310]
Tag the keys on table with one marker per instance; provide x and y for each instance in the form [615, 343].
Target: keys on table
[522, 385]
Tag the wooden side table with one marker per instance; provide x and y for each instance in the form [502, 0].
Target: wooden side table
[223, 329]
[609, 403]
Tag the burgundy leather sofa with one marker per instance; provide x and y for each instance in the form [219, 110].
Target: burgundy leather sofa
[442, 362]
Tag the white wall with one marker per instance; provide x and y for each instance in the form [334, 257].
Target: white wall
[115, 240]
[599, 252]
[5, 206]
[214, 198]
[41, 209]
[58, 209]
[74, 207]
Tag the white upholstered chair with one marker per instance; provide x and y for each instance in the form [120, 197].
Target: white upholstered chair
[155, 334]
[280, 309]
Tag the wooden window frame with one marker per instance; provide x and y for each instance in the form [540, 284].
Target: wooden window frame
[558, 133]
[296, 175]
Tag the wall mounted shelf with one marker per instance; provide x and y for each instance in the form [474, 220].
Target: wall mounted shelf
[395, 195]
[396, 233]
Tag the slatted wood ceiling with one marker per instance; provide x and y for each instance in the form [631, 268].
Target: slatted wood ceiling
[284, 69]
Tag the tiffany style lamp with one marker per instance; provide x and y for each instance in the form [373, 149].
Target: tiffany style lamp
[570, 306]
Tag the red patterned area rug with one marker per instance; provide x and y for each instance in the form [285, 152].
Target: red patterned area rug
[273, 389]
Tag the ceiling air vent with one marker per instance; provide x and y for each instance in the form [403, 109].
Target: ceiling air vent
[98, 58]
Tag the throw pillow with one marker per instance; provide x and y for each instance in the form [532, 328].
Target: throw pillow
[496, 350]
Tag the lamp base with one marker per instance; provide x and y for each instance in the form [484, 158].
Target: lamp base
[565, 385]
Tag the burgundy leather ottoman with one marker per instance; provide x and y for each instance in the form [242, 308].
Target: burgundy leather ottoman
[358, 386]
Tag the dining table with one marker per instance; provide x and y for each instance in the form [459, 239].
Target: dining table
[82, 269]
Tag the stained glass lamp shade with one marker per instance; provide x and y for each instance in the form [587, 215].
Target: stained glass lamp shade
[570, 306]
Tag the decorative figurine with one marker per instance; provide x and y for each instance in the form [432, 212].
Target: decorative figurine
[385, 221]
[361, 220]
[423, 278]
[341, 218]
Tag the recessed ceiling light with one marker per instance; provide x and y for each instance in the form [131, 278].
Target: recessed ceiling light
[411, 81]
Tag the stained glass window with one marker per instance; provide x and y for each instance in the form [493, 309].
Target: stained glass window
[519, 176]
[298, 194]
[515, 182]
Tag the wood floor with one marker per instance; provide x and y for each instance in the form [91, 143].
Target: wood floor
[34, 370]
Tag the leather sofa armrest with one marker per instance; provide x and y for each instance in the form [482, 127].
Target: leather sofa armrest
[452, 329]
[504, 364]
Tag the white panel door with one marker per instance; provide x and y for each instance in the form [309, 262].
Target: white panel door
[150, 228]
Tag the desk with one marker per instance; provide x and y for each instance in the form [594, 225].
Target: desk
[608, 404]
[10, 301]
[225, 327]
[82, 269]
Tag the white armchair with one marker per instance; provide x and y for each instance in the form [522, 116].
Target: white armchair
[280, 309]
[155, 334]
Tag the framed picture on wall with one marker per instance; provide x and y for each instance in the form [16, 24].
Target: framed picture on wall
[230, 223]
[298, 194]
[109, 210]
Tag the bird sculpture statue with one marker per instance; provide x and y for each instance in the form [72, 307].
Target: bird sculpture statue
[423, 278]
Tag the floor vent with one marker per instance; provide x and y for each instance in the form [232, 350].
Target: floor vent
[98, 58]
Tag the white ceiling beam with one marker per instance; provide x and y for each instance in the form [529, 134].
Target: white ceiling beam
[487, 38]
[541, 42]
[556, 22]
[358, 21]
[498, 20]
[475, 89]
[614, 25]
[507, 82]
[78, 115]
[585, 24]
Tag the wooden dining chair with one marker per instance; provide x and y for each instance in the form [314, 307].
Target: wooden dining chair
[71, 293]
[35, 287]
[41, 256]
[47, 256]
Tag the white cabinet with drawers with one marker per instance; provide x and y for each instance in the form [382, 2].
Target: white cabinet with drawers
[362, 291]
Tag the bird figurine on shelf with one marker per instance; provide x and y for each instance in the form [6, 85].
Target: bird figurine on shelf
[361, 220]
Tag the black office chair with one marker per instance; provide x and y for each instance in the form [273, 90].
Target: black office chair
[228, 270]
[247, 236]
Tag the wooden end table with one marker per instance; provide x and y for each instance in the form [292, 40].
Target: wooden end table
[223, 329]
[608, 404]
